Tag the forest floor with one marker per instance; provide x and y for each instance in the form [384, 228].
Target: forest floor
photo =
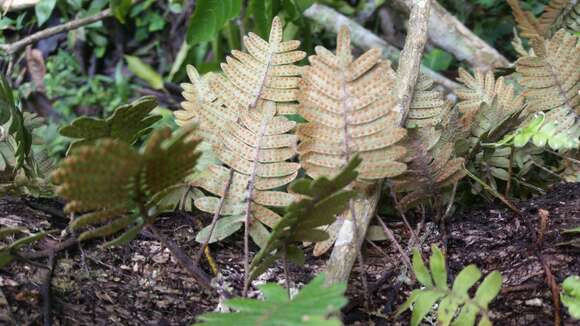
[140, 284]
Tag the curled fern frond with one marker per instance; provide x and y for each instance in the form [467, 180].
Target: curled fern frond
[257, 150]
[116, 187]
[128, 123]
[455, 303]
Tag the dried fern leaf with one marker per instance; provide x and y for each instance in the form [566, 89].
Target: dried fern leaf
[348, 105]
[128, 123]
[349, 112]
[113, 185]
[553, 80]
[526, 21]
[257, 148]
[560, 14]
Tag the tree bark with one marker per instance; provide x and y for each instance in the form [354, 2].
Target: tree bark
[352, 233]
[332, 20]
[448, 33]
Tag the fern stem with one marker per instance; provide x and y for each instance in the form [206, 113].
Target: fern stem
[493, 191]
[286, 274]
[392, 238]
[402, 214]
[510, 172]
[215, 217]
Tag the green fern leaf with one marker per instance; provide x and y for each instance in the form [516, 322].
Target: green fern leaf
[128, 123]
[311, 306]
[455, 305]
[9, 250]
[12, 128]
[116, 187]
[321, 200]
[570, 295]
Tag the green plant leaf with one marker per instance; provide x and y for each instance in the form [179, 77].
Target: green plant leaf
[209, 18]
[311, 306]
[224, 227]
[421, 271]
[438, 60]
[488, 289]
[43, 9]
[466, 279]
[144, 71]
[437, 266]
[121, 8]
[127, 123]
[423, 304]
[12, 120]
[570, 295]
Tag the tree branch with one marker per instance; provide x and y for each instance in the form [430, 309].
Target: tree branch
[332, 20]
[18, 45]
[448, 33]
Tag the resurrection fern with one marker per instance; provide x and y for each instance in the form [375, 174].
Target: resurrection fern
[257, 148]
[570, 295]
[321, 200]
[311, 306]
[115, 187]
[128, 123]
[454, 304]
[9, 248]
[241, 114]
[428, 107]
[557, 14]
[349, 110]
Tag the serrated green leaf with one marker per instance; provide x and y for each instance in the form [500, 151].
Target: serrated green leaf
[421, 271]
[488, 289]
[437, 266]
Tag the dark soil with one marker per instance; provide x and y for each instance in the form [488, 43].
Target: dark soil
[141, 284]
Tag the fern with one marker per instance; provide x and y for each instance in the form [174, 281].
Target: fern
[241, 114]
[321, 200]
[349, 112]
[9, 251]
[454, 303]
[128, 123]
[117, 188]
[311, 306]
[560, 14]
[570, 295]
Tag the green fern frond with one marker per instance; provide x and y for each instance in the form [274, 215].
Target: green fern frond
[116, 187]
[311, 306]
[9, 248]
[455, 304]
[321, 199]
[570, 295]
[128, 123]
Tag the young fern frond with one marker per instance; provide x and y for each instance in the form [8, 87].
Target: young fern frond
[116, 187]
[349, 108]
[241, 115]
[321, 199]
[128, 123]
[455, 304]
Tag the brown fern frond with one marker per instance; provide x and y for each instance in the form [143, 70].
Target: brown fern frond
[526, 21]
[428, 107]
[257, 148]
[553, 80]
[485, 103]
[348, 104]
[348, 107]
[560, 14]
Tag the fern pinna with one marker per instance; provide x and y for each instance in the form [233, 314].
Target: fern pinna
[241, 113]
[349, 112]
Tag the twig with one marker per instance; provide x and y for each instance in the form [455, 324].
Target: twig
[215, 217]
[451, 201]
[182, 258]
[332, 20]
[493, 192]
[18, 45]
[286, 273]
[402, 213]
[45, 290]
[47, 252]
[391, 237]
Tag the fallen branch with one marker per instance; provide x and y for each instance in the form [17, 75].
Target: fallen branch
[332, 20]
[352, 233]
[448, 33]
[45, 290]
[45, 33]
